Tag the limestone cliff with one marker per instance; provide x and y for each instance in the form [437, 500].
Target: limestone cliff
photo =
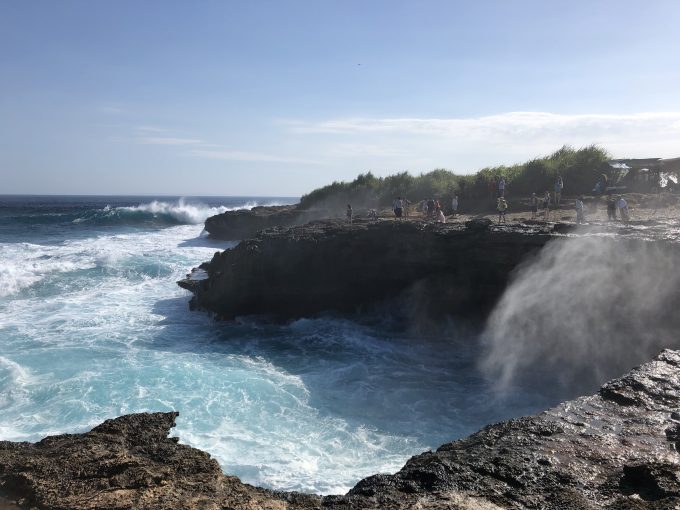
[330, 265]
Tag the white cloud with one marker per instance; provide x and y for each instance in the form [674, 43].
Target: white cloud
[249, 156]
[167, 140]
[151, 129]
[505, 124]
[341, 148]
[467, 144]
[345, 150]
[202, 149]
[111, 109]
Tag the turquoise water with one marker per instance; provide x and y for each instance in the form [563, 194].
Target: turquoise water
[93, 325]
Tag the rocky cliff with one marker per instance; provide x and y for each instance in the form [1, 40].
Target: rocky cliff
[330, 265]
[434, 269]
[617, 449]
[242, 224]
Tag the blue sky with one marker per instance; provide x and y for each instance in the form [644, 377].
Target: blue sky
[277, 98]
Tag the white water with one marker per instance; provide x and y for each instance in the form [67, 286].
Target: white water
[93, 327]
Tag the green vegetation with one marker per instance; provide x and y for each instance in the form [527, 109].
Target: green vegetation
[580, 169]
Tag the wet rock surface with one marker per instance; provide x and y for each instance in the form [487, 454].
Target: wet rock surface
[615, 450]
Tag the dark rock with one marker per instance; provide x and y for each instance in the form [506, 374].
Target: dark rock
[329, 265]
[242, 224]
[651, 481]
[128, 462]
[545, 461]
[478, 224]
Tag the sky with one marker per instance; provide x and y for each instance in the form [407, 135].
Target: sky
[276, 98]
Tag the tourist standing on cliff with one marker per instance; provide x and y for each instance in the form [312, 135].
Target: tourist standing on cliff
[534, 205]
[430, 208]
[578, 205]
[501, 187]
[454, 206]
[611, 208]
[546, 206]
[623, 209]
[349, 213]
[559, 184]
[406, 203]
[398, 207]
[502, 207]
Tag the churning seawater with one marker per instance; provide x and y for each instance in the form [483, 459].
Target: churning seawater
[93, 325]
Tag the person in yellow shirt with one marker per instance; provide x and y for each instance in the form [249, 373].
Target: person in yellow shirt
[502, 207]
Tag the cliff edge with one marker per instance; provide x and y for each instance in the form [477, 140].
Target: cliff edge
[434, 269]
[245, 223]
[330, 265]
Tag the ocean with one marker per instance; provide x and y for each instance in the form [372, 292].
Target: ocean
[93, 326]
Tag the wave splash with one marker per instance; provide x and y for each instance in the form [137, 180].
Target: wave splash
[159, 213]
[585, 310]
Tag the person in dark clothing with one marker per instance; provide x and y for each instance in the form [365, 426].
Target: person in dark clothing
[611, 207]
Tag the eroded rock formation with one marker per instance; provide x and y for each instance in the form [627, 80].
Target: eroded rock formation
[242, 224]
[330, 265]
[617, 449]
[127, 463]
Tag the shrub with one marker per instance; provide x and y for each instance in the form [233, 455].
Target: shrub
[579, 169]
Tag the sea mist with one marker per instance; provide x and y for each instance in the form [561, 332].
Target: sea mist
[586, 309]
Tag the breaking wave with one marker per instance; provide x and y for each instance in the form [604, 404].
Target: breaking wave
[157, 213]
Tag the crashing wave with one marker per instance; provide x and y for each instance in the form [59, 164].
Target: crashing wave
[158, 213]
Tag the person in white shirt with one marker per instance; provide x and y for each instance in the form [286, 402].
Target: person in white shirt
[559, 185]
[454, 205]
[578, 205]
[623, 209]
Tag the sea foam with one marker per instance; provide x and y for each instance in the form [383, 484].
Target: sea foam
[99, 328]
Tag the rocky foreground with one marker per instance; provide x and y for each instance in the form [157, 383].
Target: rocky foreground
[617, 449]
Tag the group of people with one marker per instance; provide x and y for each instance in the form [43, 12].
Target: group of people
[432, 208]
[544, 203]
[614, 203]
[400, 206]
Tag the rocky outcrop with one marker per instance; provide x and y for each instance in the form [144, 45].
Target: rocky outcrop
[434, 269]
[330, 265]
[242, 224]
[127, 463]
[617, 449]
